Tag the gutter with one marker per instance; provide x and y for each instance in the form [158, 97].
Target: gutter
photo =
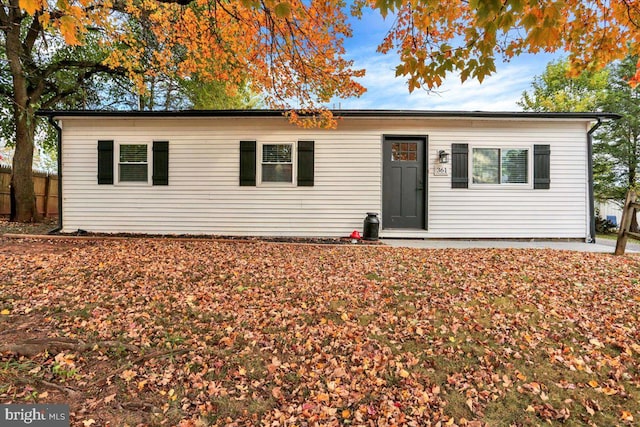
[59, 149]
[592, 206]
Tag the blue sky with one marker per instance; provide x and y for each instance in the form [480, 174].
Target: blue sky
[498, 92]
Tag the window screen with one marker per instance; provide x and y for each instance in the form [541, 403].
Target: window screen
[500, 166]
[514, 166]
[277, 165]
[133, 163]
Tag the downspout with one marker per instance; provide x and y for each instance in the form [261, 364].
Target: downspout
[59, 140]
[592, 204]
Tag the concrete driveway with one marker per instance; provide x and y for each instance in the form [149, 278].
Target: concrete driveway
[602, 245]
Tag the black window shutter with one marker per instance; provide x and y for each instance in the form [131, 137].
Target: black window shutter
[541, 167]
[105, 162]
[459, 165]
[247, 163]
[305, 163]
[160, 162]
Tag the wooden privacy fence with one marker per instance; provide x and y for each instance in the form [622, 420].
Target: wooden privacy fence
[630, 206]
[45, 186]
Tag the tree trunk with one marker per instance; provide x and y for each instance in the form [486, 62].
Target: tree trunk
[633, 164]
[632, 184]
[23, 194]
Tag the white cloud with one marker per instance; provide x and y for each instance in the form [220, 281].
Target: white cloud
[498, 92]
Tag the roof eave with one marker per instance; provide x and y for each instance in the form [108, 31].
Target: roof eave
[337, 113]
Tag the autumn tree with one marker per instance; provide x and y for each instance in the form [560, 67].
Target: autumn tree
[75, 88]
[111, 90]
[37, 72]
[434, 38]
[165, 88]
[556, 89]
[292, 50]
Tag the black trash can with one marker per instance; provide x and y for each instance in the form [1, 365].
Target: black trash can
[371, 226]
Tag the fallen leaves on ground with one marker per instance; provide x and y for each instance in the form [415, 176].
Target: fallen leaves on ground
[218, 333]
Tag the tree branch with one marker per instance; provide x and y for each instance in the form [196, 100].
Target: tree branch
[4, 18]
[32, 34]
[31, 347]
[71, 63]
[59, 94]
[180, 2]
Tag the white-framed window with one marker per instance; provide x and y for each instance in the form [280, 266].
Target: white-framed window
[501, 166]
[133, 163]
[276, 163]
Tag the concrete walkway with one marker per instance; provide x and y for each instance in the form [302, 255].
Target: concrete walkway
[602, 245]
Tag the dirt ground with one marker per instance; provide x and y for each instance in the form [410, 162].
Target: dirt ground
[34, 246]
[31, 246]
[50, 224]
[43, 227]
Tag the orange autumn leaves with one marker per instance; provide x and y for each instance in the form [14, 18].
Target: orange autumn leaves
[466, 37]
[68, 18]
[292, 52]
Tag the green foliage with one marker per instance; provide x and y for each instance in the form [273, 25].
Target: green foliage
[619, 143]
[555, 90]
[63, 372]
[213, 95]
[65, 76]
[606, 185]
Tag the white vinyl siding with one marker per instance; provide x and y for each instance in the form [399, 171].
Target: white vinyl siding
[514, 211]
[203, 196]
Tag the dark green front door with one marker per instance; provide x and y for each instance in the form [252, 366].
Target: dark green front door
[404, 182]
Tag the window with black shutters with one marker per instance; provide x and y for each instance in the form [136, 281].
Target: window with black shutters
[501, 166]
[277, 163]
[146, 163]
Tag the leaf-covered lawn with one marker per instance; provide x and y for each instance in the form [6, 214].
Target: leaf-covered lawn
[205, 333]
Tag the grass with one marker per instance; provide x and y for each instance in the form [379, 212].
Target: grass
[608, 236]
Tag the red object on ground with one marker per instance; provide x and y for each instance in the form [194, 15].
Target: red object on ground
[356, 235]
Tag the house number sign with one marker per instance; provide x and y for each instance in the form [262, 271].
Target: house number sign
[440, 170]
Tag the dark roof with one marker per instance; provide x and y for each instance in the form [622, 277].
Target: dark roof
[337, 113]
